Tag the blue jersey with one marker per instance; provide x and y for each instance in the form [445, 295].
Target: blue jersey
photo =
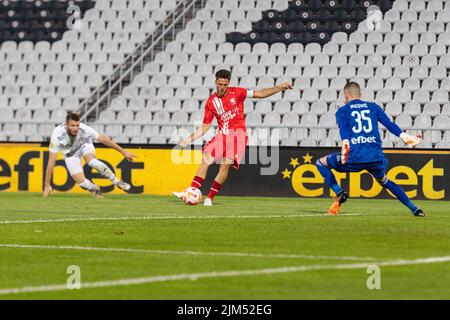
[358, 123]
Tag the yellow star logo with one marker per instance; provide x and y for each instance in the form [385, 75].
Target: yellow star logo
[307, 158]
[286, 174]
[294, 162]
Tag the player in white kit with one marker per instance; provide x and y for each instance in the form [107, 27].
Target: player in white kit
[75, 140]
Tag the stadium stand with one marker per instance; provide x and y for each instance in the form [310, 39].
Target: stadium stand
[312, 21]
[402, 62]
[41, 76]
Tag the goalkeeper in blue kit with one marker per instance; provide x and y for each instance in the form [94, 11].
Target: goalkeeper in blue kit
[362, 148]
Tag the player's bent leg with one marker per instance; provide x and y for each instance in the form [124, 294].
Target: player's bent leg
[325, 170]
[327, 174]
[219, 180]
[75, 168]
[87, 185]
[103, 169]
[202, 170]
[224, 169]
[401, 195]
[200, 175]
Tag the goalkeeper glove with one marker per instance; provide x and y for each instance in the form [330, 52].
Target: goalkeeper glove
[345, 151]
[410, 141]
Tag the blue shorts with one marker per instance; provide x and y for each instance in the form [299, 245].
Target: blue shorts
[377, 169]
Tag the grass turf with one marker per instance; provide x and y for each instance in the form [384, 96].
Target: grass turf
[380, 229]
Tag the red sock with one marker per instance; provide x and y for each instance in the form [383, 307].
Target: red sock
[197, 182]
[215, 188]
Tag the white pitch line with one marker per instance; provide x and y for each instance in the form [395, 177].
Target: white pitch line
[188, 252]
[222, 274]
[162, 217]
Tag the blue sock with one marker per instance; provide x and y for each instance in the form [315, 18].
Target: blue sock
[330, 180]
[400, 194]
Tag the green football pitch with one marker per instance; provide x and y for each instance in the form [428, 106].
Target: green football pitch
[155, 247]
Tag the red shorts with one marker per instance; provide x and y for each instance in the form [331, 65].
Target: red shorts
[227, 146]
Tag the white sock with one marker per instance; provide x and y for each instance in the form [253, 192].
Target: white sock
[88, 185]
[103, 170]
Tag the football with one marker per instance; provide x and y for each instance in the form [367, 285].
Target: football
[192, 196]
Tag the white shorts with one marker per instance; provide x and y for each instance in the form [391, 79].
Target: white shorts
[73, 163]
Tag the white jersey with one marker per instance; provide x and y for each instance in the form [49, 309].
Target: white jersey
[62, 142]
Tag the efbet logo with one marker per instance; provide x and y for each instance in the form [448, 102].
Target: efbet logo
[307, 181]
[303, 175]
[362, 139]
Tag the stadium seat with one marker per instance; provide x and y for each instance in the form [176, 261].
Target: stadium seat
[442, 122]
[412, 109]
[308, 120]
[290, 119]
[272, 119]
[404, 121]
[446, 110]
[317, 134]
[422, 122]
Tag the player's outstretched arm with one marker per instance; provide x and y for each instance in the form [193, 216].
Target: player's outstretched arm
[264, 93]
[49, 173]
[410, 141]
[111, 144]
[197, 134]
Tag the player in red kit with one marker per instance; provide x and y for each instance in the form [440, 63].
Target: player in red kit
[228, 146]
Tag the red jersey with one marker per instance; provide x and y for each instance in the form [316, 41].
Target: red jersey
[228, 110]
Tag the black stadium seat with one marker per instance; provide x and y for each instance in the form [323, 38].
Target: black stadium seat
[299, 4]
[322, 37]
[288, 38]
[341, 15]
[358, 15]
[279, 26]
[268, 37]
[261, 26]
[349, 4]
[237, 37]
[315, 5]
[314, 26]
[384, 5]
[331, 27]
[324, 15]
[307, 21]
[36, 20]
[271, 15]
[306, 15]
[296, 26]
[348, 27]
[305, 37]
[291, 15]
[332, 4]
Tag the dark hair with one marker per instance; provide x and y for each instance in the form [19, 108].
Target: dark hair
[223, 74]
[353, 88]
[75, 116]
